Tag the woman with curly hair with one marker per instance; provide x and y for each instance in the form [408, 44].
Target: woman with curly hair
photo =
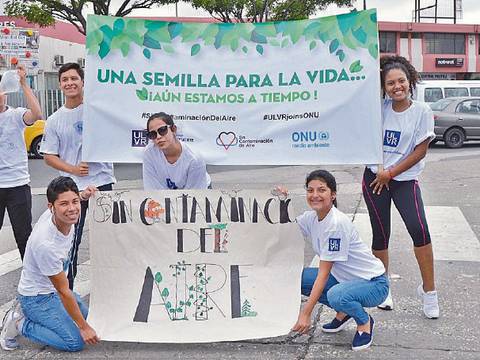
[407, 131]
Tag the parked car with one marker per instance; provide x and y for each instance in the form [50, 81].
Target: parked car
[430, 91]
[457, 119]
[33, 138]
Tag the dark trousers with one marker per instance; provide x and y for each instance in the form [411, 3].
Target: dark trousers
[72, 270]
[18, 202]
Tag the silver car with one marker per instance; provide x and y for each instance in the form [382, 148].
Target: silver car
[457, 119]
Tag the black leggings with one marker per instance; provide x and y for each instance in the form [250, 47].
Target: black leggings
[407, 198]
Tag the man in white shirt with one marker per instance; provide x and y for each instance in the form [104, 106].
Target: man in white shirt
[62, 148]
[15, 194]
[47, 311]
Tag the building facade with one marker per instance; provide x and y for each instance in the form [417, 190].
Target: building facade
[438, 51]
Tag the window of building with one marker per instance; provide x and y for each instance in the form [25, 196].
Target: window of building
[475, 91]
[451, 92]
[433, 94]
[388, 42]
[445, 43]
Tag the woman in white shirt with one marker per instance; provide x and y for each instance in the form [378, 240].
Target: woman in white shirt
[407, 131]
[349, 277]
[169, 163]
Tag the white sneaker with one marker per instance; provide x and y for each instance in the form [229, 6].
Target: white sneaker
[388, 303]
[9, 328]
[430, 302]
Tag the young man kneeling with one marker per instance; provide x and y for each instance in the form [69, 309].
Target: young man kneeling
[47, 311]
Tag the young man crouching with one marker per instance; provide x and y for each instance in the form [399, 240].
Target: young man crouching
[47, 311]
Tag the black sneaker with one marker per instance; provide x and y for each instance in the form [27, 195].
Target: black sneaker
[336, 325]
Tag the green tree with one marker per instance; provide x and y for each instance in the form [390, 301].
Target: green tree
[44, 12]
[263, 10]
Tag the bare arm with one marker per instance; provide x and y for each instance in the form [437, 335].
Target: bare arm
[34, 111]
[60, 283]
[55, 162]
[384, 176]
[304, 318]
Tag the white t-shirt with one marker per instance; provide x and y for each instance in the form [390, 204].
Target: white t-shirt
[335, 239]
[402, 131]
[188, 172]
[46, 255]
[13, 155]
[63, 137]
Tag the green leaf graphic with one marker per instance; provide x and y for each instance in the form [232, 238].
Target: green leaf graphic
[333, 46]
[259, 49]
[165, 292]
[147, 53]
[158, 275]
[341, 55]
[142, 94]
[313, 44]
[195, 49]
[356, 67]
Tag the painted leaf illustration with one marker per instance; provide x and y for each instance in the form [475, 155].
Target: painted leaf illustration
[195, 49]
[165, 292]
[341, 55]
[158, 275]
[356, 67]
[259, 49]
[313, 44]
[142, 94]
[334, 46]
[147, 53]
[168, 305]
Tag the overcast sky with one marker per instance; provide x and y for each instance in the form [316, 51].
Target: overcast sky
[388, 10]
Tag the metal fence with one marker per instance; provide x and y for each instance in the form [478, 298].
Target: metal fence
[50, 100]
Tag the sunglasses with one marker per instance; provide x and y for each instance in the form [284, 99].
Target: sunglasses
[162, 131]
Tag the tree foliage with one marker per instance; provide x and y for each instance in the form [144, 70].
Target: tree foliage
[44, 12]
[263, 10]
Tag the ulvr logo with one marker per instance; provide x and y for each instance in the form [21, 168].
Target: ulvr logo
[139, 138]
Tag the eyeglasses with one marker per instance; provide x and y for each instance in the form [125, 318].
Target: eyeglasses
[162, 131]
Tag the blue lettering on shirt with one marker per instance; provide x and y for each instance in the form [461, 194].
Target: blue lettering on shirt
[171, 184]
[392, 138]
[333, 244]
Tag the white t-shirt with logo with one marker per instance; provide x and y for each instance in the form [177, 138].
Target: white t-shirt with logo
[335, 239]
[63, 137]
[46, 254]
[13, 155]
[188, 172]
[402, 131]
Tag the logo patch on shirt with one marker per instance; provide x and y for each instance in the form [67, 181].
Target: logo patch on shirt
[171, 184]
[334, 244]
[78, 126]
[392, 138]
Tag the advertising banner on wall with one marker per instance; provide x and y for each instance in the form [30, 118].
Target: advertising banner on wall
[19, 46]
[289, 92]
[193, 266]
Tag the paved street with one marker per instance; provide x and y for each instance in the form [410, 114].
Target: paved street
[450, 186]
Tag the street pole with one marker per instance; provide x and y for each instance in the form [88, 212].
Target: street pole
[364, 4]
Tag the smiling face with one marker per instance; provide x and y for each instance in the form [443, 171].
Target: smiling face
[162, 141]
[397, 86]
[320, 197]
[71, 84]
[66, 209]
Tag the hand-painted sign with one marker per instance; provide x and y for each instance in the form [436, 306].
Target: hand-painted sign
[193, 266]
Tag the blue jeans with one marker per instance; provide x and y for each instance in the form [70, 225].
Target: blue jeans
[48, 323]
[348, 297]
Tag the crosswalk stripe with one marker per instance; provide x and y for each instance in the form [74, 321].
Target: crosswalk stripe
[10, 261]
[452, 237]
